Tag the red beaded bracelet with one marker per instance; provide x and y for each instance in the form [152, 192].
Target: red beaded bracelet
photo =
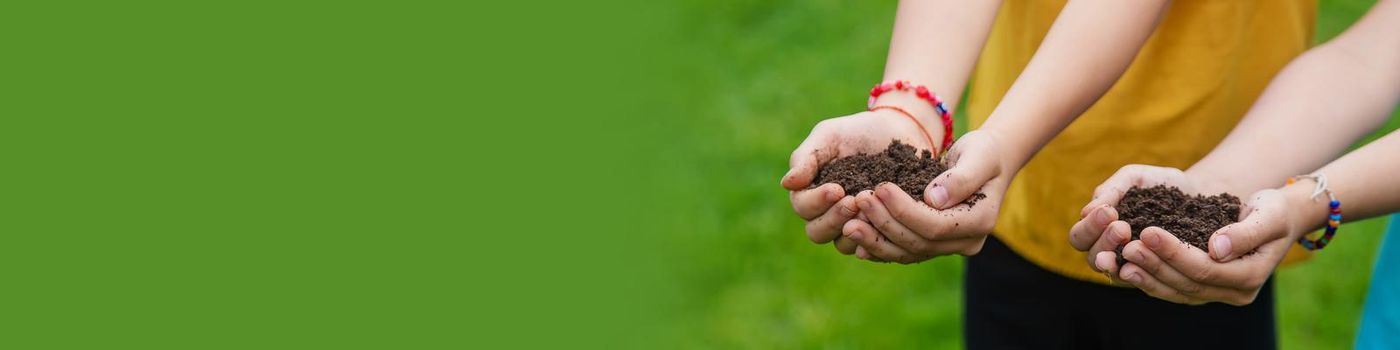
[911, 116]
[923, 93]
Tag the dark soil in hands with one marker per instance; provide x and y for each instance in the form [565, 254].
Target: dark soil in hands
[900, 164]
[1191, 218]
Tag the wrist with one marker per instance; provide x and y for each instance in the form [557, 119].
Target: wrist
[1207, 182]
[928, 118]
[1305, 213]
[1013, 151]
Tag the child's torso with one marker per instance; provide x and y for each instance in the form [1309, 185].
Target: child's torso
[1193, 80]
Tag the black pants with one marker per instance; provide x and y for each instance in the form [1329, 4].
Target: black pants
[1014, 304]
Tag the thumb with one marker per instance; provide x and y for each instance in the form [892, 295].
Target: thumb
[1263, 223]
[816, 150]
[969, 171]
[1133, 175]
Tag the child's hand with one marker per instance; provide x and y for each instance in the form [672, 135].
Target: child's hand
[940, 225]
[1168, 269]
[827, 207]
[1100, 233]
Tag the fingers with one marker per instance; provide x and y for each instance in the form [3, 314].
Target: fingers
[827, 227]
[1089, 229]
[1138, 254]
[1263, 223]
[1116, 235]
[1107, 263]
[1112, 190]
[970, 170]
[1109, 192]
[891, 223]
[817, 149]
[1135, 276]
[845, 246]
[872, 244]
[1184, 283]
[936, 225]
[814, 202]
[863, 254]
[878, 216]
[1238, 239]
[1241, 274]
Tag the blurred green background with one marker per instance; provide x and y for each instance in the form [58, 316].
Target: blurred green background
[421, 174]
[768, 71]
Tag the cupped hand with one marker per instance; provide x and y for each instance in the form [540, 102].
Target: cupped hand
[902, 229]
[1244, 255]
[1100, 233]
[827, 207]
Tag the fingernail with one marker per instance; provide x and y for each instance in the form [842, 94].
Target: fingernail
[939, 195]
[849, 207]
[833, 196]
[883, 192]
[1101, 216]
[1220, 247]
[1151, 240]
[1133, 277]
[855, 235]
[864, 204]
[1099, 264]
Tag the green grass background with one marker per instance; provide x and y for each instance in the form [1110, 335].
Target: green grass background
[446, 175]
[329, 174]
[769, 70]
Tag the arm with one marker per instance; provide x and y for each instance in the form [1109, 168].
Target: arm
[1165, 268]
[1328, 98]
[1363, 180]
[935, 43]
[1089, 47]
[1365, 83]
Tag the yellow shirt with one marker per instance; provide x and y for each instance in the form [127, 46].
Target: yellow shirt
[1194, 79]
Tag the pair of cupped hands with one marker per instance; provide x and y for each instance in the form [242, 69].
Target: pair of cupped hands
[887, 225]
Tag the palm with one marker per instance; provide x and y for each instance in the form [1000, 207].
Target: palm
[871, 132]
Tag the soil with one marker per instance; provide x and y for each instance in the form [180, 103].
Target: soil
[900, 164]
[1191, 218]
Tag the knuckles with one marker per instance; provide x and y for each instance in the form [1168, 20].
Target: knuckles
[1205, 273]
[812, 233]
[900, 211]
[1191, 288]
[920, 246]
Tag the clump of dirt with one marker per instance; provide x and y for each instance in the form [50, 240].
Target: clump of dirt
[900, 164]
[1191, 218]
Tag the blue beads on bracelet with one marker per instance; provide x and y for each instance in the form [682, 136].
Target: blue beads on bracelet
[1334, 216]
[941, 109]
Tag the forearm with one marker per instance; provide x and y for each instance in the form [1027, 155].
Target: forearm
[1315, 108]
[1364, 181]
[1089, 47]
[936, 43]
